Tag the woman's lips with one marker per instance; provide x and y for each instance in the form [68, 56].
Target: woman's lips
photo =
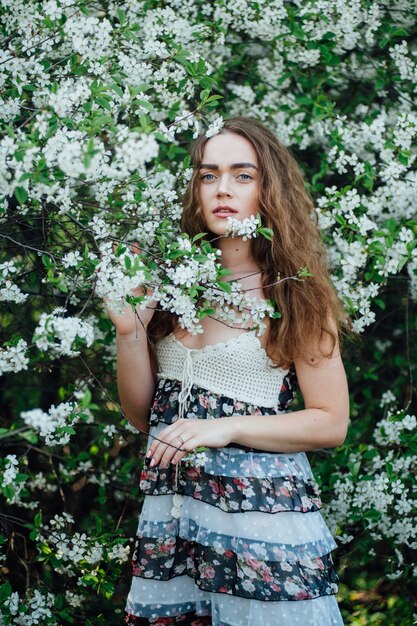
[224, 211]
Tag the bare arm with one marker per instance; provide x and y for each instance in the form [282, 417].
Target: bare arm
[322, 424]
[136, 365]
[136, 376]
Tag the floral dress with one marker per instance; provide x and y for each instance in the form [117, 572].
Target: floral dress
[238, 540]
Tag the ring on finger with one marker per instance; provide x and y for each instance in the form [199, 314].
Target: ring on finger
[181, 439]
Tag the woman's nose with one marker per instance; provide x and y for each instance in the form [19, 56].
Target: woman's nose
[224, 186]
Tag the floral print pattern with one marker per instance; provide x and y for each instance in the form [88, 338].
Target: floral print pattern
[223, 571]
[233, 494]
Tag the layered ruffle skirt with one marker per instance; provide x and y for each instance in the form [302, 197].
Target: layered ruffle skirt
[240, 539]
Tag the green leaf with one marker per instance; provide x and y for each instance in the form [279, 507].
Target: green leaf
[206, 82]
[204, 94]
[304, 272]
[145, 104]
[275, 316]
[372, 514]
[86, 399]
[121, 15]
[380, 303]
[47, 261]
[227, 287]
[411, 245]
[202, 313]
[404, 156]
[21, 194]
[268, 233]
[213, 98]
[90, 579]
[8, 491]
[68, 429]
[20, 478]
[104, 103]
[5, 592]
[401, 264]
[115, 87]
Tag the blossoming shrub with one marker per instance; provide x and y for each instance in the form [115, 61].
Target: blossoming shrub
[98, 102]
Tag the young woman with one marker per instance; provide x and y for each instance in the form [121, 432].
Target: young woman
[240, 539]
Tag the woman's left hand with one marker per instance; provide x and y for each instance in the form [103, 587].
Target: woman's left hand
[189, 434]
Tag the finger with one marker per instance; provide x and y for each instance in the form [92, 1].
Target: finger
[155, 444]
[177, 445]
[168, 433]
[187, 446]
[164, 450]
[108, 301]
[171, 450]
[157, 439]
[158, 453]
[178, 457]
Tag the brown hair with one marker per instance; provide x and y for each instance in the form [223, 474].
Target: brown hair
[309, 309]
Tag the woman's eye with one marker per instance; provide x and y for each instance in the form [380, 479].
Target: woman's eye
[204, 177]
[246, 176]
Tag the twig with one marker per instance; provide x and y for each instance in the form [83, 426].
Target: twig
[143, 432]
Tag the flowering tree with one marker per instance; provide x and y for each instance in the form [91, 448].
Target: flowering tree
[98, 102]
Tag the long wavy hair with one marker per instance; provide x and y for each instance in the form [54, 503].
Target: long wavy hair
[310, 309]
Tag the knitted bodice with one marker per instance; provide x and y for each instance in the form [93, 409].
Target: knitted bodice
[238, 368]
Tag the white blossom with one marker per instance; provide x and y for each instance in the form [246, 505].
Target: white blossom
[11, 478]
[215, 127]
[245, 228]
[11, 471]
[50, 425]
[119, 553]
[76, 600]
[13, 358]
[71, 259]
[58, 334]
[10, 292]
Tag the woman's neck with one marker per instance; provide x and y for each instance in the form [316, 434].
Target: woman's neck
[237, 256]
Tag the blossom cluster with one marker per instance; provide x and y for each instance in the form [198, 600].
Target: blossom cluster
[186, 275]
[75, 551]
[245, 228]
[10, 292]
[30, 610]
[62, 335]
[12, 481]
[381, 493]
[55, 426]
[13, 357]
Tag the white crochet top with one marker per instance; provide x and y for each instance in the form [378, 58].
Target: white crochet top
[238, 368]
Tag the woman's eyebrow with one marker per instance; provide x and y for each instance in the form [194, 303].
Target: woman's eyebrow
[234, 166]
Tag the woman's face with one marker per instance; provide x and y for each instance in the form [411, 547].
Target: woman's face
[228, 181]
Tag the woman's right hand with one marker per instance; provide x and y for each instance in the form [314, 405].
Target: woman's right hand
[128, 321]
